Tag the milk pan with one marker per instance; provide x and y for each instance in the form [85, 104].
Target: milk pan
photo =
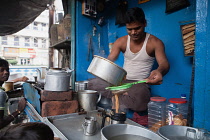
[106, 70]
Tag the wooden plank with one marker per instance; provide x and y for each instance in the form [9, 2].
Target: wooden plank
[188, 25]
[187, 30]
[188, 34]
[190, 38]
[189, 46]
[191, 42]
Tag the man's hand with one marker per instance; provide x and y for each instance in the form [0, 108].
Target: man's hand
[155, 78]
[22, 104]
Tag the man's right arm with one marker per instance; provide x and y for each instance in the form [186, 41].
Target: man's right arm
[115, 50]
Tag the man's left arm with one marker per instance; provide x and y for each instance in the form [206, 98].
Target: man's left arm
[156, 76]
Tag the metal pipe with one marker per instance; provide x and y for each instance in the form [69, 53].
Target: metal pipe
[72, 5]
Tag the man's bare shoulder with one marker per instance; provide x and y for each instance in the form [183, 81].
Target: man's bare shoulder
[155, 42]
[154, 39]
[121, 42]
[122, 39]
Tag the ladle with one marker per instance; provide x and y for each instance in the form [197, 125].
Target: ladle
[125, 85]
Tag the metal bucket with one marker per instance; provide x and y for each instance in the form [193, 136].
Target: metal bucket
[106, 70]
[174, 132]
[88, 99]
[125, 132]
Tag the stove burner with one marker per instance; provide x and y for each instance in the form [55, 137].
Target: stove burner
[39, 86]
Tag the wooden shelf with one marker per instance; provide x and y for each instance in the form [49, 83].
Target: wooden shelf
[65, 44]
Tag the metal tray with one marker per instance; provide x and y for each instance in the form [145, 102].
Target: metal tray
[35, 117]
[70, 125]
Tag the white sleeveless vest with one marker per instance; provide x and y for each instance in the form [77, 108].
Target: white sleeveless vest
[138, 65]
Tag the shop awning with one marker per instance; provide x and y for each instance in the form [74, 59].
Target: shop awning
[17, 14]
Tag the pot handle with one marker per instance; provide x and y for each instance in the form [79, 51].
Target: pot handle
[69, 70]
[99, 98]
[103, 119]
[84, 125]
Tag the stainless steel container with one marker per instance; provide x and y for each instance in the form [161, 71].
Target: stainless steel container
[57, 80]
[88, 99]
[133, 132]
[81, 85]
[106, 70]
[89, 126]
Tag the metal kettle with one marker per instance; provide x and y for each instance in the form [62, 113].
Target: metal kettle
[57, 79]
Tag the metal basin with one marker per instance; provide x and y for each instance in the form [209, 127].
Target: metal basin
[106, 70]
[174, 132]
[133, 132]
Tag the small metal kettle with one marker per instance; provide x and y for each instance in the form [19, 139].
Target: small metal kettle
[90, 126]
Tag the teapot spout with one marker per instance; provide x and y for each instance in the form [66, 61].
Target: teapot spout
[69, 70]
[38, 74]
[41, 72]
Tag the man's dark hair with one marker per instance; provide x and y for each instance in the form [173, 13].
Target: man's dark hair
[135, 14]
[28, 131]
[4, 63]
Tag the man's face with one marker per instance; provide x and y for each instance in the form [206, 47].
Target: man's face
[136, 30]
[4, 73]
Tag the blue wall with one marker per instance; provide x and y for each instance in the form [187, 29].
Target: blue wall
[84, 30]
[202, 66]
[164, 26]
[167, 28]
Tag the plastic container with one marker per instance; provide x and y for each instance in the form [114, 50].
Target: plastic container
[177, 110]
[156, 113]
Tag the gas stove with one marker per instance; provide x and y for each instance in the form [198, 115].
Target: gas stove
[38, 86]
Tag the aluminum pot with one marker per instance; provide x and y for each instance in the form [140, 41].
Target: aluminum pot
[106, 70]
[173, 132]
[110, 131]
[88, 99]
[57, 80]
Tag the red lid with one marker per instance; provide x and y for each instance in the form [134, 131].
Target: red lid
[177, 100]
[158, 99]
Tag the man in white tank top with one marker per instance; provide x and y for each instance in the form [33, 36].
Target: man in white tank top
[140, 50]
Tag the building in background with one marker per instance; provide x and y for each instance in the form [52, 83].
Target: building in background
[30, 45]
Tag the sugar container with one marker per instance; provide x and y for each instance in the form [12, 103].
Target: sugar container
[177, 110]
[156, 113]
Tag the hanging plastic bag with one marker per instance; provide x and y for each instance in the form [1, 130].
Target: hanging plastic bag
[175, 5]
[121, 10]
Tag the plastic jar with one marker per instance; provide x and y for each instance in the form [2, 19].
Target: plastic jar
[156, 113]
[177, 110]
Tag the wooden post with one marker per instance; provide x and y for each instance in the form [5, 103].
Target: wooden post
[51, 50]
